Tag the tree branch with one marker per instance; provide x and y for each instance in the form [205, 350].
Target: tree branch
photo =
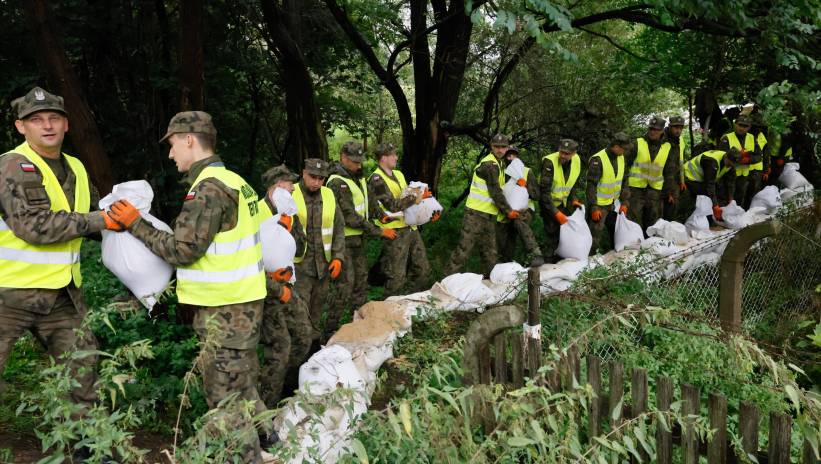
[613, 43]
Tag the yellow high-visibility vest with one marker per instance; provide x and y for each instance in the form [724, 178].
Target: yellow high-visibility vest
[479, 195]
[681, 145]
[396, 188]
[788, 153]
[230, 271]
[328, 213]
[749, 145]
[561, 190]
[694, 172]
[359, 195]
[28, 265]
[645, 172]
[530, 203]
[609, 187]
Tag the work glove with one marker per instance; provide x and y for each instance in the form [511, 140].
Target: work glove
[560, 217]
[285, 294]
[427, 194]
[335, 268]
[682, 187]
[512, 214]
[435, 216]
[596, 215]
[521, 182]
[386, 219]
[577, 203]
[745, 157]
[779, 161]
[766, 174]
[717, 212]
[623, 209]
[124, 213]
[671, 199]
[286, 221]
[389, 234]
[282, 274]
[111, 224]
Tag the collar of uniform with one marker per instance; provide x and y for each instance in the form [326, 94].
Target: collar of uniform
[609, 153]
[305, 191]
[197, 168]
[651, 142]
[344, 172]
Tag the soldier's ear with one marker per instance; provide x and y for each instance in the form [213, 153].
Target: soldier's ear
[21, 128]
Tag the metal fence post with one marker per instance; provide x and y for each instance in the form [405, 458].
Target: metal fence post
[732, 271]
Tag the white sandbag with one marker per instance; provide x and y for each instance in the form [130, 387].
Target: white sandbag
[672, 231]
[553, 278]
[283, 201]
[575, 239]
[791, 178]
[516, 169]
[627, 232]
[416, 215]
[698, 220]
[515, 194]
[768, 198]
[278, 245]
[138, 268]
[467, 288]
[660, 246]
[508, 273]
[732, 216]
[330, 368]
[573, 266]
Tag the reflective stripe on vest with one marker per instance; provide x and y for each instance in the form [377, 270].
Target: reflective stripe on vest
[694, 172]
[681, 158]
[749, 145]
[479, 195]
[230, 271]
[396, 187]
[359, 196]
[328, 212]
[646, 172]
[609, 187]
[530, 203]
[27, 265]
[561, 190]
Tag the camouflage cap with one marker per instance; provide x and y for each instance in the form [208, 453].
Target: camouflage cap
[621, 139]
[36, 100]
[512, 150]
[568, 145]
[317, 167]
[195, 122]
[353, 150]
[744, 120]
[383, 149]
[676, 121]
[499, 140]
[278, 173]
[656, 122]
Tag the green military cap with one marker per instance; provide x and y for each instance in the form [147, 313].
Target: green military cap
[499, 140]
[317, 167]
[568, 145]
[512, 150]
[383, 149]
[37, 100]
[758, 120]
[743, 120]
[353, 150]
[278, 173]
[190, 122]
[656, 122]
[676, 121]
[621, 139]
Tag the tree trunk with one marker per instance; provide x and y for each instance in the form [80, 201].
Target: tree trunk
[192, 72]
[61, 76]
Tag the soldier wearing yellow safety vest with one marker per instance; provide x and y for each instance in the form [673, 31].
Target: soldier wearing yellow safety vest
[355, 204]
[405, 255]
[712, 174]
[651, 175]
[605, 176]
[485, 207]
[521, 226]
[759, 131]
[674, 134]
[216, 249]
[749, 169]
[557, 190]
[45, 209]
[784, 156]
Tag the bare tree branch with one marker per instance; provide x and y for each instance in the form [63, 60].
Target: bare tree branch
[613, 43]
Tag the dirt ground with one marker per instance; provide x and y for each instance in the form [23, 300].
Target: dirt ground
[26, 448]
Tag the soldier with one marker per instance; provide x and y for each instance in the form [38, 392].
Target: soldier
[674, 134]
[215, 248]
[324, 251]
[485, 206]
[407, 251]
[651, 175]
[748, 169]
[355, 205]
[521, 226]
[605, 176]
[759, 130]
[45, 200]
[784, 156]
[712, 174]
[560, 171]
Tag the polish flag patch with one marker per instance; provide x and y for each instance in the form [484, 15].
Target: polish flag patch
[190, 196]
[27, 167]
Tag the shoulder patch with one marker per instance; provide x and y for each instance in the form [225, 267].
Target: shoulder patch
[190, 196]
[27, 167]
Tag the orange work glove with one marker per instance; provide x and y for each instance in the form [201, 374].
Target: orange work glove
[717, 212]
[124, 213]
[779, 161]
[335, 268]
[111, 224]
[670, 198]
[427, 194]
[286, 221]
[513, 214]
[745, 157]
[596, 215]
[577, 203]
[766, 174]
[282, 274]
[623, 209]
[435, 216]
[682, 187]
[521, 182]
[389, 234]
[386, 219]
[285, 294]
[560, 217]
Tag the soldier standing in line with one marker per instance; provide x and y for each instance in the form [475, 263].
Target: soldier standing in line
[407, 250]
[712, 174]
[45, 202]
[674, 134]
[215, 248]
[557, 190]
[485, 205]
[521, 227]
[748, 169]
[324, 228]
[605, 176]
[759, 130]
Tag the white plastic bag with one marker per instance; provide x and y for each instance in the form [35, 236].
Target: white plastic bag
[732, 216]
[278, 245]
[330, 368]
[283, 201]
[416, 215]
[467, 288]
[575, 239]
[507, 273]
[697, 221]
[768, 198]
[141, 271]
[627, 232]
[672, 231]
[791, 178]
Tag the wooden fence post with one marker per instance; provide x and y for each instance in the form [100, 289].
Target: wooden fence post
[748, 426]
[689, 439]
[534, 341]
[476, 359]
[664, 438]
[717, 448]
[594, 379]
[517, 363]
[638, 391]
[500, 358]
[780, 428]
[616, 394]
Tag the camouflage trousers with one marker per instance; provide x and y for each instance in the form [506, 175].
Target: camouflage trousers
[597, 229]
[644, 206]
[478, 229]
[314, 292]
[55, 330]
[669, 211]
[551, 229]
[405, 261]
[511, 232]
[746, 187]
[352, 286]
[276, 349]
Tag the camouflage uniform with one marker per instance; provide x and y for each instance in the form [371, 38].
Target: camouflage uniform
[745, 186]
[608, 220]
[644, 204]
[406, 254]
[51, 315]
[669, 209]
[548, 209]
[510, 232]
[721, 191]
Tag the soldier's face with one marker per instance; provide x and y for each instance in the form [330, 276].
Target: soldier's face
[675, 131]
[653, 133]
[44, 131]
[389, 160]
[617, 149]
[351, 165]
[565, 156]
[311, 181]
[742, 128]
[181, 151]
[284, 184]
[499, 150]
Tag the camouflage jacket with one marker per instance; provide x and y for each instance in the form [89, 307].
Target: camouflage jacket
[383, 198]
[668, 172]
[710, 168]
[594, 175]
[314, 263]
[26, 210]
[755, 156]
[490, 173]
[546, 187]
[344, 202]
[674, 150]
